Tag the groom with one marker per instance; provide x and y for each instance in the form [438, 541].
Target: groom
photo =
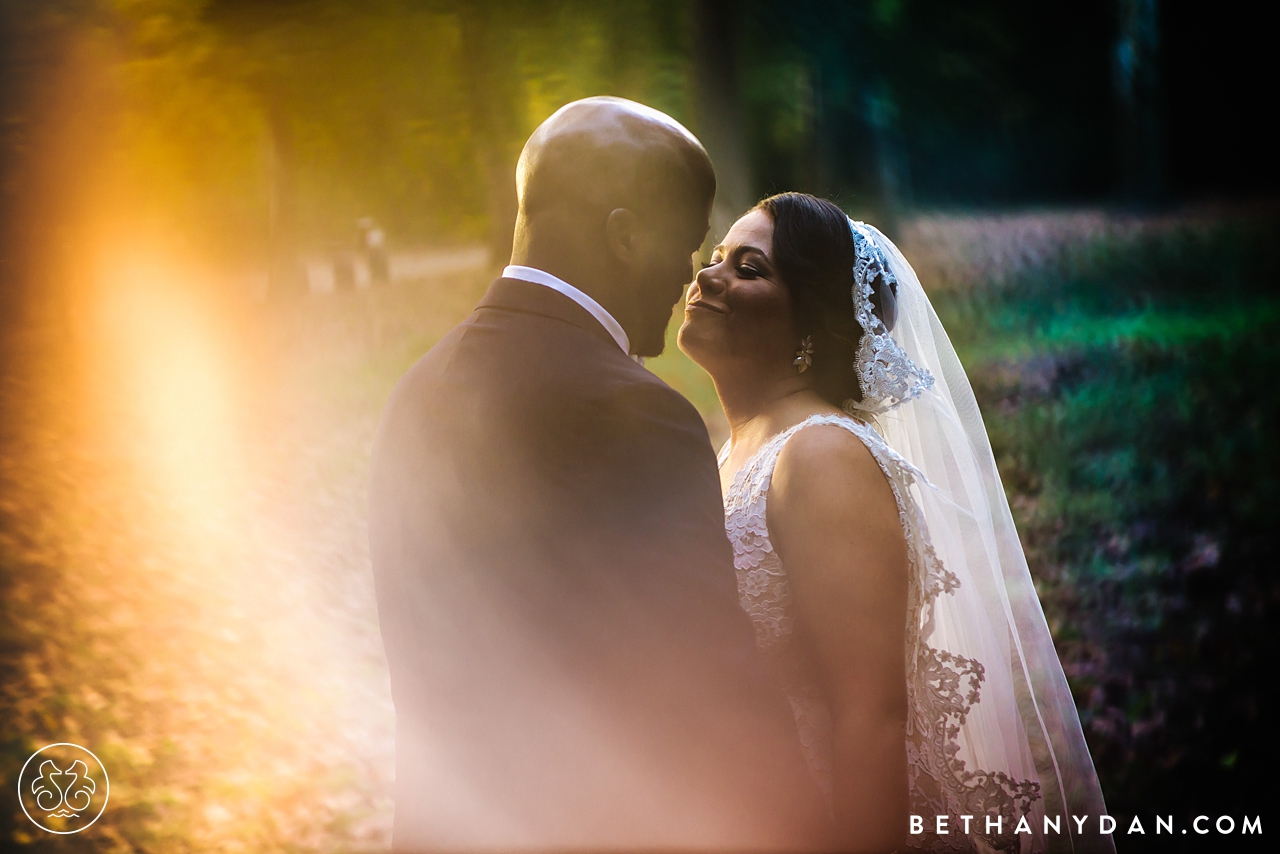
[569, 663]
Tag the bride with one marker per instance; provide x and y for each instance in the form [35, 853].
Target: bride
[868, 521]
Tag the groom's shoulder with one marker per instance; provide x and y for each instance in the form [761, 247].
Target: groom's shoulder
[641, 411]
[644, 391]
[532, 364]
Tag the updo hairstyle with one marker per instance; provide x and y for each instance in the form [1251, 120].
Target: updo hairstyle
[814, 254]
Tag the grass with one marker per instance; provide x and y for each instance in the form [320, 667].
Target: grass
[1131, 404]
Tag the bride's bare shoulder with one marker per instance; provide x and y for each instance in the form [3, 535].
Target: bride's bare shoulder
[827, 469]
[821, 450]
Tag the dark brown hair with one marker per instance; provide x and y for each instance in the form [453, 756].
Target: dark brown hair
[814, 254]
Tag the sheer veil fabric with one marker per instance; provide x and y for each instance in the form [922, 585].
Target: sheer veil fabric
[1001, 728]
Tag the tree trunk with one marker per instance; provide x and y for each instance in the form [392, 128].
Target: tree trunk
[1137, 82]
[493, 83]
[720, 124]
[286, 275]
[893, 167]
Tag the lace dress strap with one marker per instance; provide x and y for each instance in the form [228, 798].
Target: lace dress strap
[759, 469]
[751, 483]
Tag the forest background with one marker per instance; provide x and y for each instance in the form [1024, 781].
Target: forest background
[190, 383]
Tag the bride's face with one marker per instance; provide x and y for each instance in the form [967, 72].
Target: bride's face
[737, 310]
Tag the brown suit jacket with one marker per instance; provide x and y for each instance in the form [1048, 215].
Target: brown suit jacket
[569, 663]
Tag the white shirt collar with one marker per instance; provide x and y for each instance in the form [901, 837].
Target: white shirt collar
[541, 277]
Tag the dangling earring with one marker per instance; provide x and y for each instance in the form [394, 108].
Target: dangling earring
[804, 356]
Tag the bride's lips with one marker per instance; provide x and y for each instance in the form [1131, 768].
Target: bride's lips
[705, 307]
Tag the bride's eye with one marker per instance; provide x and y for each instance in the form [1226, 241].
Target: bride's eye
[748, 272]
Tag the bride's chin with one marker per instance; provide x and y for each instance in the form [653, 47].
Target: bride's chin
[686, 339]
[692, 342]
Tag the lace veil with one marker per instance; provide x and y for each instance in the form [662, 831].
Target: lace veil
[983, 655]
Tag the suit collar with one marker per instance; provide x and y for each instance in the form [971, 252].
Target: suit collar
[530, 298]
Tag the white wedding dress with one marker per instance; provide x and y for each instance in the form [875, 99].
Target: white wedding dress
[935, 705]
[992, 731]
[765, 594]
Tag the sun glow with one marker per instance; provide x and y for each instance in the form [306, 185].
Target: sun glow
[220, 643]
[164, 375]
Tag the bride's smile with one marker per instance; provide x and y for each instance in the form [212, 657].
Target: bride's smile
[736, 302]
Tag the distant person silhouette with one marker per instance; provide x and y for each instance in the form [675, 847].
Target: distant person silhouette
[372, 242]
[344, 270]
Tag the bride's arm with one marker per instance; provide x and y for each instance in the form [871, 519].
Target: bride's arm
[834, 523]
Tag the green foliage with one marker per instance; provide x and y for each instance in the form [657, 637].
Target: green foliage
[239, 122]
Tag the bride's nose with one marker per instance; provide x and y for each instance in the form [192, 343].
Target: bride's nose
[708, 281]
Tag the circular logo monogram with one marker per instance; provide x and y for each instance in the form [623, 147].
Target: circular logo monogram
[63, 788]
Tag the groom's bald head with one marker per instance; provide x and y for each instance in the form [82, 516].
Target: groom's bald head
[614, 197]
[607, 153]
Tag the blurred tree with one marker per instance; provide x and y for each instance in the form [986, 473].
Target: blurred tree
[250, 132]
[888, 104]
[720, 123]
[414, 113]
[1218, 78]
[367, 114]
[285, 273]
[1137, 82]
[58, 114]
[491, 67]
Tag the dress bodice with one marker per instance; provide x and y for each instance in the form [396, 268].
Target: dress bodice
[941, 687]
[765, 594]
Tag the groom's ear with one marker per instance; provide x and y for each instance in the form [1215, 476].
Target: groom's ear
[620, 235]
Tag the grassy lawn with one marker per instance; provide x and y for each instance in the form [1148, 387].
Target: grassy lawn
[1128, 388]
